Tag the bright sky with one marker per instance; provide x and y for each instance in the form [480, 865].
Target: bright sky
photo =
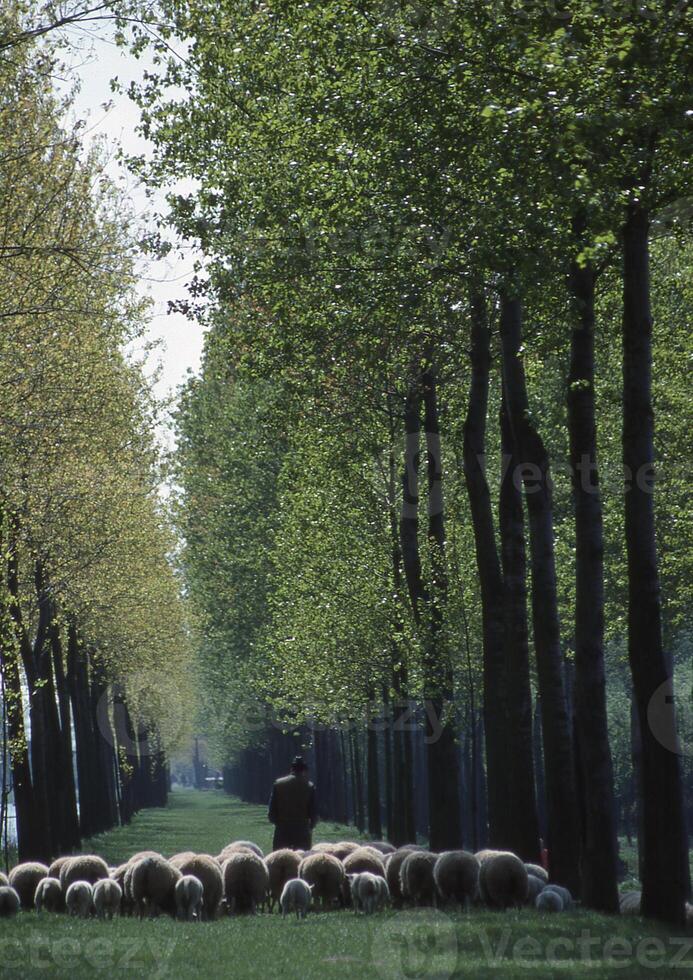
[96, 61]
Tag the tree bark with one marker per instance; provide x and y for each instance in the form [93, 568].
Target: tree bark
[519, 826]
[599, 841]
[665, 845]
[489, 570]
[563, 837]
[72, 839]
[375, 826]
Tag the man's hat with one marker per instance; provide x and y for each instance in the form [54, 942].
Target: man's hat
[298, 765]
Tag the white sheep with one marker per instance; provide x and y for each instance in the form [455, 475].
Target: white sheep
[296, 897]
[535, 886]
[246, 881]
[108, 896]
[549, 900]
[152, 885]
[9, 902]
[48, 896]
[79, 898]
[366, 891]
[189, 893]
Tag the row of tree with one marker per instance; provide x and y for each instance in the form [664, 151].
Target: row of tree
[435, 229]
[94, 645]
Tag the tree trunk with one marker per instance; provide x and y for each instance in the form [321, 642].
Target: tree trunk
[375, 826]
[599, 841]
[72, 840]
[563, 838]
[519, 825]
[387, 759]
[665, 850]
[489, 570]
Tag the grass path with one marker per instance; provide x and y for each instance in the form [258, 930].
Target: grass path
[418, 945]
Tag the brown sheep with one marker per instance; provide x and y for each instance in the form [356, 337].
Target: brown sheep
[326, 874]
[54, 869]
[417, 883]
[456, 874]
[246, 880]
[503, 881]
[152, 886]
[181, 858]
[49, 896]
[207, 870]
[282, 866]
[24, 878]
[364, 859]
[82, 867]
[392, 870]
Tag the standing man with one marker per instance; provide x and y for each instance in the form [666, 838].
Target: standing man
[292, 808]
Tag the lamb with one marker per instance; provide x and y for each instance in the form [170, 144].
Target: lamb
[246, 880]
[367, 893]
[282, 866]
[392, 871]
[9, 902]
[564, 893]
[456, 875]
[364, 859]
[79, 898]
[549, 901]
[417, 883]
[189, 891]
[326, 873]
[629, 903]
[207, 871]
[538, 872]
[296, 897]
[82, 867]
[535, 886]
[108, 896]
[152, 885]
[24, 878]
[49, 896]
[503, 881]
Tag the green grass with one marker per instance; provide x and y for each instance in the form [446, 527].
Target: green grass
[328, 946]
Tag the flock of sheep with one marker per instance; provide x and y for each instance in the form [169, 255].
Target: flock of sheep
[367, 877]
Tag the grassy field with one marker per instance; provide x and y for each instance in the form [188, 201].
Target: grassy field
[418, 945]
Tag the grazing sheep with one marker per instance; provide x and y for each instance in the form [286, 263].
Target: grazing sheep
[549, 901]
[366, 891]
[629, 903]
[326, 848]
[417, 883]
[503, 881]
[54, 869]
[538, 872]
[108, 896]
[4, 880]
[242, 845]
[78, 899]
[24, 878]
[181, 858]
[207, 871]
[9, 902]
[534, 887]
[344, 848]
[326, 873]
[245, 882]
[82, 867]
[383, 894]
[189, 892]
[126, 881]
[364, 859]
[392, 870]
[487, 853]
[282, 866]
[456, 875]
[382, 846]
[296, 897]
[564, 893]
[118, 875]
[49, 896]
[152, 885]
